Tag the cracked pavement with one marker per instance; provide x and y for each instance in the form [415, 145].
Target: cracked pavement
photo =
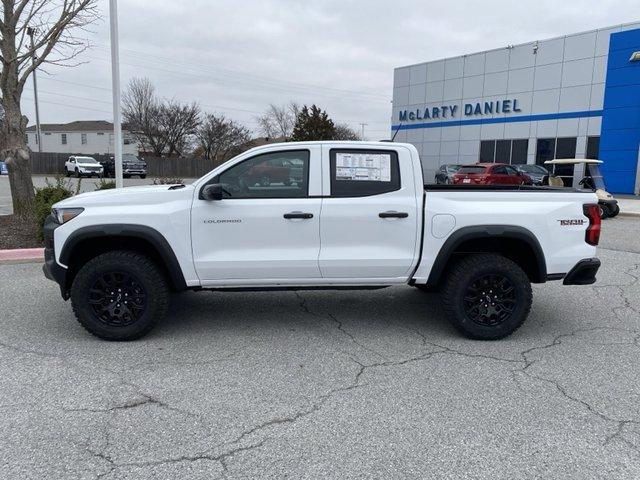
[363, 384]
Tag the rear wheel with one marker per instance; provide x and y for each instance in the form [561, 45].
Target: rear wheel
[119, 295]
[486, 296]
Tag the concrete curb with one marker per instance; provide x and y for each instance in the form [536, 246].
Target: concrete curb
[629, 214]
[21, 255]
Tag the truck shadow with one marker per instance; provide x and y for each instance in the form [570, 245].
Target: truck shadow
[364, 311]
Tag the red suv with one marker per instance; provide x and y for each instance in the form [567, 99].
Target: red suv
[490, 174]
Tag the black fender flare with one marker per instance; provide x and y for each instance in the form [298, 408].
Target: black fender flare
[143, 232]
[479, 232]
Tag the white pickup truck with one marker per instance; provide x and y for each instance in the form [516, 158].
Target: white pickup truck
[319, 215]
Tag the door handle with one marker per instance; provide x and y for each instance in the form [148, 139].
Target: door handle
[393, 214]
[302, 215]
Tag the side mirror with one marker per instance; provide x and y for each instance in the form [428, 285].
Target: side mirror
[212, 191]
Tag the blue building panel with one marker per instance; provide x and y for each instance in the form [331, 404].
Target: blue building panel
[620, 135]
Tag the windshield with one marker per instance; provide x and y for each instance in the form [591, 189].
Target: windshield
[592, 172]
[130, 157]
[86, 160]
[533, 169]
[472, 169]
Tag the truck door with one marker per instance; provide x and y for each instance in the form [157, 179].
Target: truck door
[266, 226]
[370, 214]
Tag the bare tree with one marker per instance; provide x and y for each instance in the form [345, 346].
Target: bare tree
[345, 132]
[55, 23]
[278, 120]
[178, 122]
[141, 111]
[217, 136]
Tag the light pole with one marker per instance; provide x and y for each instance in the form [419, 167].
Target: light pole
[115, 86]
[31, 32]
[362, 125]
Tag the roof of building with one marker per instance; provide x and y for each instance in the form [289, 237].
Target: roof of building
[77, 126]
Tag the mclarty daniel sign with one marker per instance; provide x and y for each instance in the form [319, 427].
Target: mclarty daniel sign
[466, 110]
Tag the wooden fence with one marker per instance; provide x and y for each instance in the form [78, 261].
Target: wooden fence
[46, 163]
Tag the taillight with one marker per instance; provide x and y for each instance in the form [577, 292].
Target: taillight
[592, 212]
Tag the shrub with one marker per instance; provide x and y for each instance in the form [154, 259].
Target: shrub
[103, 184]
[46, 196]
[167, 181]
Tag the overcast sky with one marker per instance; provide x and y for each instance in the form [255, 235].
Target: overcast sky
[237, 57]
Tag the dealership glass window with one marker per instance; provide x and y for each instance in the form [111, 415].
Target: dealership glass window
[271, 175]
[487, 151]
[360, 173]
[504, 151]
[566, 147]
[63, 138]
[546, 150]
[83, 138]
[593, 147]
[519, 150]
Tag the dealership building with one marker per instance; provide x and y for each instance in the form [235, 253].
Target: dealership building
[572, 96]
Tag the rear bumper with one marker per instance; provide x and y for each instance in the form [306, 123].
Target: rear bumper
[584, 272]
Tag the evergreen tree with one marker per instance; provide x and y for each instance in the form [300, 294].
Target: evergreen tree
[313, 124]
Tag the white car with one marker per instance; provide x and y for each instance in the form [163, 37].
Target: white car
[83, 166]
[357, 216]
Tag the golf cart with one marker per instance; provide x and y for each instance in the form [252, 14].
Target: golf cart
[567, 171]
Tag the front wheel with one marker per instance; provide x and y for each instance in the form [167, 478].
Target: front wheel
[486, 296]
[119, 295]
[78, 175]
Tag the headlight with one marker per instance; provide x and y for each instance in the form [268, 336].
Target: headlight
[63, 215]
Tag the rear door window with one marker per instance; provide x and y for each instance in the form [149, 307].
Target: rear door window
[361, 173]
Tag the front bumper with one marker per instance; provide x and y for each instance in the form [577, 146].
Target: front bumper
[51, 269]
[584, 272]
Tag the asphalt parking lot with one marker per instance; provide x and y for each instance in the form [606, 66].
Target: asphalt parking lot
[371, 384]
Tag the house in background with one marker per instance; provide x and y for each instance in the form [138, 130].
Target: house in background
[82, 137]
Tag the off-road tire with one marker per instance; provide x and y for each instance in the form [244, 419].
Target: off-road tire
[461, 277]
[614, 211]
[141, 268]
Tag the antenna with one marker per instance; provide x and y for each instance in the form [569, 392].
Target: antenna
[394, 135]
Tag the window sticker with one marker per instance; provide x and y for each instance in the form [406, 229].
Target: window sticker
[371, 167]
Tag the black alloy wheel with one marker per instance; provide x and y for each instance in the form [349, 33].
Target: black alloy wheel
[120, 295]
[486, 296]
[490, 300]
[118, 299]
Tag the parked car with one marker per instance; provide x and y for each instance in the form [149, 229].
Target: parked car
[361, 218]
[271, 171]
[445, 173]
[131, 165]
[490, 174]
[535, 172]
[83, 166]
[3, 169]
